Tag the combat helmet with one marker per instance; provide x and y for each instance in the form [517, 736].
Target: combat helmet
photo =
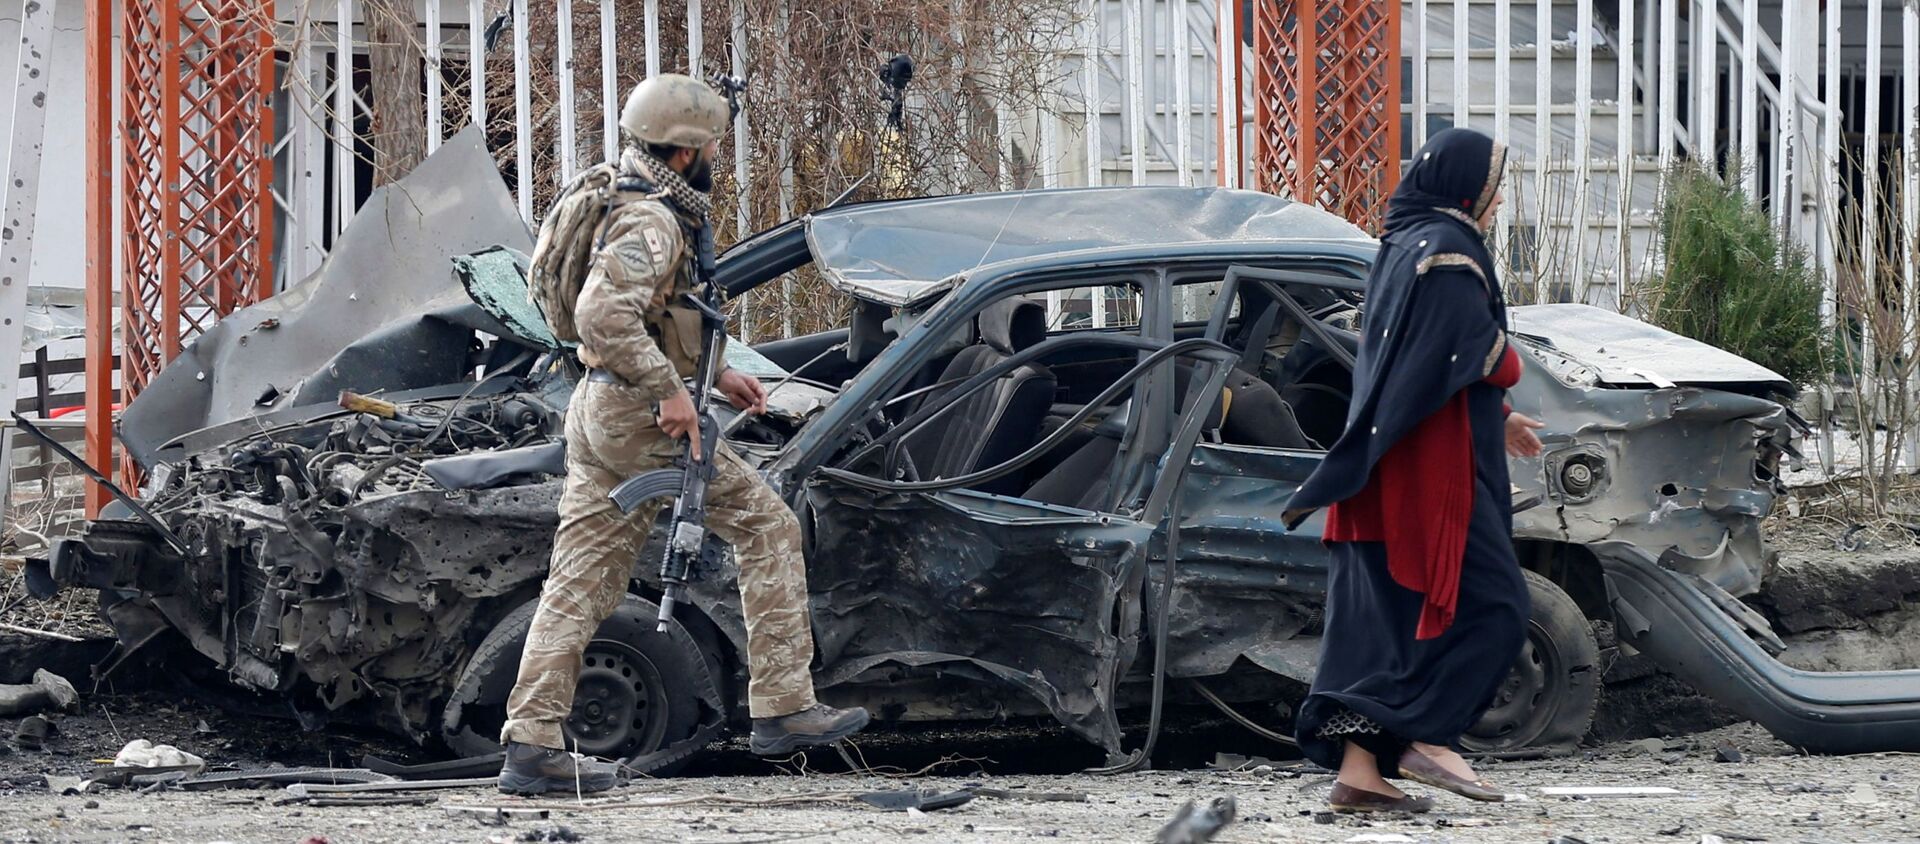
[675, 110]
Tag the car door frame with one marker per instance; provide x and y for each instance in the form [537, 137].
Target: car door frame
[1107, 550]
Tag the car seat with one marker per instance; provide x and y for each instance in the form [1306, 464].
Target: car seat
[999, 421]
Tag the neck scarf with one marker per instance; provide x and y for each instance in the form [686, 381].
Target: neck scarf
[689, 202]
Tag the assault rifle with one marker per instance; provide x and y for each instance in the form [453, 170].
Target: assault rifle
[687, 480]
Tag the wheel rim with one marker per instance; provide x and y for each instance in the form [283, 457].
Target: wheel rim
[618, 706]
[1527, 697]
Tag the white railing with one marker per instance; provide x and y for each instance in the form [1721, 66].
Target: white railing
[1700, 79]
[1137, 102]
[1138, 92]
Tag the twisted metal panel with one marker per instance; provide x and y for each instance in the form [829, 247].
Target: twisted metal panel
[1327, 103]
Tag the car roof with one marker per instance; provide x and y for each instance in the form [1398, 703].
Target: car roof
[905, 251]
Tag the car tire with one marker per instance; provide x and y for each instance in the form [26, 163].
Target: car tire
[1549, 696]
[637, 691]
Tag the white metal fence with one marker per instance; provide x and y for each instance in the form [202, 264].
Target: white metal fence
[1597, 102]
[1792, 100]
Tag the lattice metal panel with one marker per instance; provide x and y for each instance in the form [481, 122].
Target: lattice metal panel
[198, 74]
[1327, 103]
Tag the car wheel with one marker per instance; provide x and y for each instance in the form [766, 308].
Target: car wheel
[1549, 696]
[636, 693]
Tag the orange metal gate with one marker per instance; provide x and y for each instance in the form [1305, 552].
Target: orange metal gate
[1326, 110]
[193, 149]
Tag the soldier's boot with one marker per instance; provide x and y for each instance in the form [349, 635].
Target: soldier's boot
[532, 769]
[811, 727]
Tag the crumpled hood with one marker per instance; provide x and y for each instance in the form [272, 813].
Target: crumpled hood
[1603, 348]
[383, 313]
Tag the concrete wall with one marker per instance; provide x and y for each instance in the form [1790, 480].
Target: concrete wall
[60, 231]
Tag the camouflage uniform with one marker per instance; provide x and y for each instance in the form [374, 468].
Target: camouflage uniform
[612, 435]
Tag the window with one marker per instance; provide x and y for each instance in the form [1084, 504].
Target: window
[1104, 306]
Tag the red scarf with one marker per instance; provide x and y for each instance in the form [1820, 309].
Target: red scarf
[1418, 501]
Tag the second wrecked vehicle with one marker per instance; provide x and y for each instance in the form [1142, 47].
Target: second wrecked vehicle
[988, 493]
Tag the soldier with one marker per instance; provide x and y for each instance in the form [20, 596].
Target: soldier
[629, 416]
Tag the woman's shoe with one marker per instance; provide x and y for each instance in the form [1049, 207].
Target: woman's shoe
[1348, 800]
[1415, 766]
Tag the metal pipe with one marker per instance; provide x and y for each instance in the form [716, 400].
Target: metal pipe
[1543, 138]
[1750, 100]
[1461, 21]
[1182, 59]
[1786, 131]
[522, 113]
[1624, 140]
[477, 62]
[1133, 19]
[1829, 193]
[1669, 87]
[1707, 65]
[343, 135]
[696, 38]
[1230, 117]
[1870, 182]
[308, 179]
[433, 75]
[652, 14]
[742, 144]
[563, 26]
[1090, 92]
[1502, 121]
[610, 87]
[1420, 88]
[1910, 169]
[1582, 141]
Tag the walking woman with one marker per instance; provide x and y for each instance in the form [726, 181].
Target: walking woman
[1426, 609]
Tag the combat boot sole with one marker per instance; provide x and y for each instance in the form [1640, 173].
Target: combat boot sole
[532, 785]
[789, 742]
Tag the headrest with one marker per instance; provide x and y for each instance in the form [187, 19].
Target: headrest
[1013, 325]
[869, 334]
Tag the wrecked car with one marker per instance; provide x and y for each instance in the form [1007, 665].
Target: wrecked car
[1041, 472]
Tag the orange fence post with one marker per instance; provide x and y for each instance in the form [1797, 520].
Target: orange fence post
[195, 162]
[100, 218]
[1327, 103]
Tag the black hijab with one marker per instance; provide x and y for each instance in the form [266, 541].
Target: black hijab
[1434, 316]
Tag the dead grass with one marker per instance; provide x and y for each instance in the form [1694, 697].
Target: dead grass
[35, 518]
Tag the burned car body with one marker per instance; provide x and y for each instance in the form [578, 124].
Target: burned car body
[989, 494]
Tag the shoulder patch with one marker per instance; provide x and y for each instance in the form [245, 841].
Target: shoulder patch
[635, 256]
[655, 245]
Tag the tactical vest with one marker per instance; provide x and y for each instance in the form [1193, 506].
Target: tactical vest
[673, 324]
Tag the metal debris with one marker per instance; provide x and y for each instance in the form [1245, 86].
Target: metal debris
[1195, 824]
[916, 799]
[1030, 796]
